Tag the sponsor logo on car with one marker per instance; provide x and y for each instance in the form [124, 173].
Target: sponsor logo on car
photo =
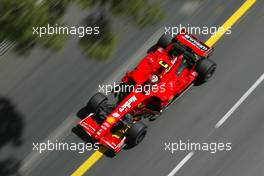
[127, 104]
[195, 42]
[116, 115]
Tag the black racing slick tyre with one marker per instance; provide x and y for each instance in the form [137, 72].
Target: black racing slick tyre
[136, 133]
[205, 69]
[152, 49]
[95, 102]
[164, 41]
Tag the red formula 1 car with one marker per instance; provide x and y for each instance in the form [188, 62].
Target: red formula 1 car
[169, 68]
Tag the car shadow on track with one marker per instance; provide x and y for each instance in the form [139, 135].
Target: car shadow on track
[11, 128]
[82, 113]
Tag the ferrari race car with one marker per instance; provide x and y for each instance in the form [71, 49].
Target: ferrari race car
[168, 69]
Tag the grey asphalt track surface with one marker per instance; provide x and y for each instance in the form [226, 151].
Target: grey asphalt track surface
[47, 89]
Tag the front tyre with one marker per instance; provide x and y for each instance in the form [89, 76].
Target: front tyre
[95, 102]
[153, 48]
[136, 133]
[164, 41]
[205, 69]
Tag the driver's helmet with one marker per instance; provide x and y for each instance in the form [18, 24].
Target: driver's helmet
[154, 79]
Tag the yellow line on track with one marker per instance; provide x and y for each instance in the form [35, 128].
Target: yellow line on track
[89, 162]
[230, 22]
[210, 42]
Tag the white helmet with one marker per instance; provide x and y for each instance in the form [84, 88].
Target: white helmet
[154, 79]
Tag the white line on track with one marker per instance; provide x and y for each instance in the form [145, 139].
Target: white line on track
[240, 101]
[223, 119]
[179, 166]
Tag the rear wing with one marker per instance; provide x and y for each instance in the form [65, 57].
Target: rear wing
[200, 48]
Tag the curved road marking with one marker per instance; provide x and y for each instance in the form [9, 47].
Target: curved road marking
[210, 42]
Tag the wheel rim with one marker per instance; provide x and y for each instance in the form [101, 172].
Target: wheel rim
[210, 73]
[141, 137]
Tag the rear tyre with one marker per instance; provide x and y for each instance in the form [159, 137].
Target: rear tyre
[95, 102]
[205, 69]
[164, 41]
[136, 134]
[152, 49]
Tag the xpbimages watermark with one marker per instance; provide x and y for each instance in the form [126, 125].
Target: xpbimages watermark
[196, 30]
[79, 31]
[80, 147]
[116, 88]
[212, 147]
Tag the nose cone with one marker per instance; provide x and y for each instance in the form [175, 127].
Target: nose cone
[99, 134]
[105, 127]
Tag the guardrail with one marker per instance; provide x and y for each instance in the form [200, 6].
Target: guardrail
[5, 46]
